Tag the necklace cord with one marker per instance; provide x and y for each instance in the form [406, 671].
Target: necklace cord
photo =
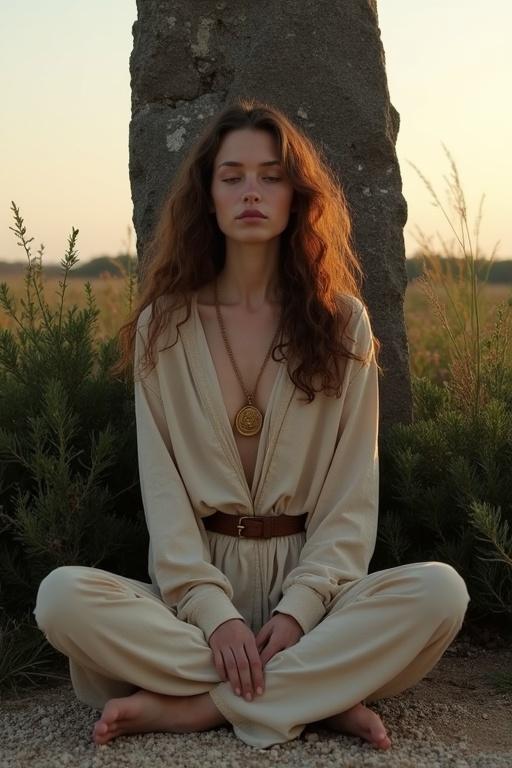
[249, 418]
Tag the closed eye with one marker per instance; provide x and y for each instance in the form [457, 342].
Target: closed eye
[270, 178]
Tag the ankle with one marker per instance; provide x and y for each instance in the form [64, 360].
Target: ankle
[210, 715]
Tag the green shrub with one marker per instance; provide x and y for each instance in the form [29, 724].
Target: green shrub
[446, 479]
[446, 494]
[69, 490]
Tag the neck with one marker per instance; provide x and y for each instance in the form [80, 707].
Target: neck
[249, 290]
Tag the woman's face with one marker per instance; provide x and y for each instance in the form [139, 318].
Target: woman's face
[250, 184]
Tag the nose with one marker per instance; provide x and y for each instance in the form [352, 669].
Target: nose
[254, 195]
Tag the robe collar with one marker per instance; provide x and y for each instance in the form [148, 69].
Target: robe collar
[205, 377]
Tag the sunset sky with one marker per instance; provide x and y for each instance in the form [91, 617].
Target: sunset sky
[66, 109]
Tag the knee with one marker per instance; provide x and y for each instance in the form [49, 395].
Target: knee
[443, 590]
[56, 596]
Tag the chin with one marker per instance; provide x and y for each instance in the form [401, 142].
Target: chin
[250, 237]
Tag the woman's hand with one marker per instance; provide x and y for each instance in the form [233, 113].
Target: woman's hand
[236, 657]
[280, 632]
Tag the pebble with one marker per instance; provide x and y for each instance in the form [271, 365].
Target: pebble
[58, 732]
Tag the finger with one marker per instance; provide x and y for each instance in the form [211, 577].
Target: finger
[269, 651]
[232, 670]
[219, 665]
[260, 637]
[244, 670]
[263, 644]
[256, 668]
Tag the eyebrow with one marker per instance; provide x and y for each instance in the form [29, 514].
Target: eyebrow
[237, 164]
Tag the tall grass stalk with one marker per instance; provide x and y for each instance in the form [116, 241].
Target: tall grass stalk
[459, 279]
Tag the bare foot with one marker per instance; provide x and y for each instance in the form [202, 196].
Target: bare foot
[146, 711]
[363, 722]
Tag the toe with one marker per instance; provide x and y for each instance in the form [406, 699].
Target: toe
[102, 732]
[111, 712]
[383, 742]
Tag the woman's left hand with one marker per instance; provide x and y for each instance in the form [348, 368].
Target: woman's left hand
[280, 632]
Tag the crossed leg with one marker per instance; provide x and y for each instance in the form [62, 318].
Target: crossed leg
[382, 634]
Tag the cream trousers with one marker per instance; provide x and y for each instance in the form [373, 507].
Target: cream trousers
[382, 634]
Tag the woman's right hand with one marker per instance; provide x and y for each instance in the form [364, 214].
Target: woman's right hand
[236, 657]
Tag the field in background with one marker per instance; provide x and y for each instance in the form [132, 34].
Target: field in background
[109, 292]
[428, 341]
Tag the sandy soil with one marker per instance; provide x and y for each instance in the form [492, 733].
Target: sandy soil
[462, 701]
[455, 716]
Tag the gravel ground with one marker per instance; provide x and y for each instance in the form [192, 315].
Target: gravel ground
[50, 728]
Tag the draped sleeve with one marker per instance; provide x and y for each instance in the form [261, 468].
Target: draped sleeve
[342, 528]
[179, 559]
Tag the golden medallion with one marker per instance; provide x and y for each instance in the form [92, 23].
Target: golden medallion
[248, 420]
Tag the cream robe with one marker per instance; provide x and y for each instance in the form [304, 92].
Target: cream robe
[320, 458]
[377, 634]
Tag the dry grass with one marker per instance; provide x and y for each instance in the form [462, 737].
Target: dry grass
[108, 290]
[429, 345]
[477, 341]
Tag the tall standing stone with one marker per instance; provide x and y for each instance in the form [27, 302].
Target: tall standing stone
[323, 64]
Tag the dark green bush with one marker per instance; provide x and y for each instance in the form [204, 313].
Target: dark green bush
[69, 490]
[446, 479]
[446, 494]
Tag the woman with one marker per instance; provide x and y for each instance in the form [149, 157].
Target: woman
[261, 505]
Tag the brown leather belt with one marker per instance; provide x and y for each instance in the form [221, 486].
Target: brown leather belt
[253, 526]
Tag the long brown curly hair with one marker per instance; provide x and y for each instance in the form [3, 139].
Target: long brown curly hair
[317, 264]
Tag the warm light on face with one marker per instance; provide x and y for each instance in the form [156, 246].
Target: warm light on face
[248, 174]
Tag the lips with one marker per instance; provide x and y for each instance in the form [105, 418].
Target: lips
[251, 213]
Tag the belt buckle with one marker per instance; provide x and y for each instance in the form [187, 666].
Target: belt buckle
[240, 525]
